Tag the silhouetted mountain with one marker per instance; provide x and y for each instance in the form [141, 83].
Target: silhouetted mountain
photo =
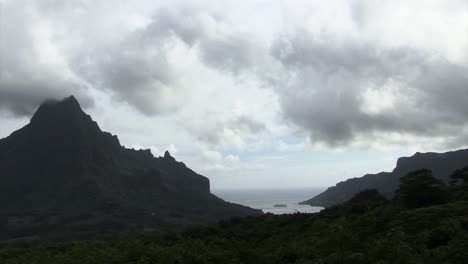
[60, 176]
[441, 164]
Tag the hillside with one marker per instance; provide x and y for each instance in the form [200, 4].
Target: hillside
[366, 229]
[441, 164]
[61, 176]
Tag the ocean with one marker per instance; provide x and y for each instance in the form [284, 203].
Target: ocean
[266, 199]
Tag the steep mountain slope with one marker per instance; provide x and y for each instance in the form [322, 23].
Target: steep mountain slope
[441, 164]
[61, 175]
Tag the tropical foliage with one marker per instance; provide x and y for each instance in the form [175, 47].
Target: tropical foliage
[415, 227]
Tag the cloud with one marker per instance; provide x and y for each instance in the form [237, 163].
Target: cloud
[339, 91]
[226, 131]
[341, 73]
[283, 146]
[216, 39]
[142, 78]
[156, 151]
[213, 163]
[248, 124]
[144, 66]
[32, 67]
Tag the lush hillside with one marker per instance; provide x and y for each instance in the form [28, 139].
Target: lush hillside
[442, 165]
[61, 176]
[427, 222]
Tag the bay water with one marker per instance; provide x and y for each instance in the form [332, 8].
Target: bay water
[286, 200]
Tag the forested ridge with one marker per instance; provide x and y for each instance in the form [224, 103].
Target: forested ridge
[426, 222]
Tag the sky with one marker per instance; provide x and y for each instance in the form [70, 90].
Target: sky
[251, 94]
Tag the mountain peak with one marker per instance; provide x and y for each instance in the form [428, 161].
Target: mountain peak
[63, 169]
[168, 156]
[59, 110]
[69, 102]
[66, 120]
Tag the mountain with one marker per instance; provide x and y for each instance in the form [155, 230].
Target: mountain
[441, 164]
[61, 176]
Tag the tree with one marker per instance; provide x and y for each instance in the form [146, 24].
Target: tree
[460, 175]
[419, 188]
[459, 184]
[366, 200]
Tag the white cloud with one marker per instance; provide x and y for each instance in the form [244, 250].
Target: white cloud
[156, 151]
[283, 146]
[232, 158]
[172, 150]
[32, 65]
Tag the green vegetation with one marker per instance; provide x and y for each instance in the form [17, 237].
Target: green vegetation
[427, 222]
[420, 188]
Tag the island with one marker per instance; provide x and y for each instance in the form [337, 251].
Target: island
[280, 205]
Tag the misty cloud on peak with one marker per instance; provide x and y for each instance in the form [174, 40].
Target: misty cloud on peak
[32, 67]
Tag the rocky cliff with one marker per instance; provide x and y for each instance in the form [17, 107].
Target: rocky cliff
[441, 164]
[62, 176]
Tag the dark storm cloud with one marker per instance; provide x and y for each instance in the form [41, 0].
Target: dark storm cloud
[326, 81]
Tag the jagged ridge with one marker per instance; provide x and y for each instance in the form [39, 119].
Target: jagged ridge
[62, 169]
